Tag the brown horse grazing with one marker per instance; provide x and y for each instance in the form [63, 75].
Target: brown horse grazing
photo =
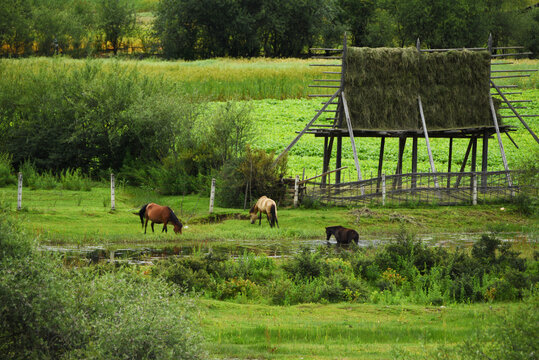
[158, 214]
[343, 235]
[267, 206]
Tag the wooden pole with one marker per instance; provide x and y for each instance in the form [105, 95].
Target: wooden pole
[398, 180]
[414, 162]
[212, 194]
[338, 162]
[502, 151]
[464, 161]
[514, 111]
[112, 194]
[431, 160]
[296, 191]
[383, 189]
[449, 162]
[19, 192]
[296, 139]
[484, 162]
[351, 132]
[474, 189]
[325, 161]
[380, 162]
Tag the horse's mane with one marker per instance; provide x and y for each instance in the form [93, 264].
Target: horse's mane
[173, 218]
[252, 209]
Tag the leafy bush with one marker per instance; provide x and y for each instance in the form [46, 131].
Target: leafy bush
[255, 175]
[6, 171]
[74, 180]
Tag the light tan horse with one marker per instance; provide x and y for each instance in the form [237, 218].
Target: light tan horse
[267, 206]
[158, 214]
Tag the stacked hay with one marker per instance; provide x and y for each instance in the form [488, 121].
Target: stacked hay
[382, 85]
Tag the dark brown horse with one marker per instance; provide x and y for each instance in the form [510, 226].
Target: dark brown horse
[267, 206]
[343, 235]
[158, 214]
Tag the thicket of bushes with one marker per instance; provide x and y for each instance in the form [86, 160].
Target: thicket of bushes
[94, 119]
[403, 271]
[48, 311]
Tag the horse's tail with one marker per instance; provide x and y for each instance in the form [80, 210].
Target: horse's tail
[273, 211]
[141, 213]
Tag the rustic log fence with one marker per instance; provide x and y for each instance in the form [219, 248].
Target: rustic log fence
[421, 188]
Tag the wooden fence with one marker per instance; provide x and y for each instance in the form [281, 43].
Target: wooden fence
[451, 188]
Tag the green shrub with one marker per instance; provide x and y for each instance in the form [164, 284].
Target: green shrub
[74, 180]
[6, 171]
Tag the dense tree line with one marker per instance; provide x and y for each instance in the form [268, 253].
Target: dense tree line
[197, 29]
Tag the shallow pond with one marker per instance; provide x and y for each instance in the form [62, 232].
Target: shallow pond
[148, 253]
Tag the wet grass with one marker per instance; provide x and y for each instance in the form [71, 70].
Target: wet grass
[85, 218]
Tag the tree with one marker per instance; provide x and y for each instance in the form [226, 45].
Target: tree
[116, 19]
[15, 26]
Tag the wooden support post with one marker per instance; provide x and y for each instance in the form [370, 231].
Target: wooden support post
[474, 188]
[380, 162]
[431, 160]
[464, 161]
[449, 158]
[338, 160]
[502, 151]
[383, 189]
[351, 133]
[212, 194]
[414, 162]
[474, 160]
[19, 192]
[296, 192]
[112, 194]
[325, 161]
[484, 162]
[397, 182]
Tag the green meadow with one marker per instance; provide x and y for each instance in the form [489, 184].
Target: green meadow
[243, 328]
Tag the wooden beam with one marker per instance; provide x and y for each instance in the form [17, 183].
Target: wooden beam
[431, 160]
[514, 111]
[504, 159]
[449, 158]
[296, 139]
[484, 162]
[338, 160]
[464, 161]
[414, 162]
[380, 162]
[317, 176]
[351, 132]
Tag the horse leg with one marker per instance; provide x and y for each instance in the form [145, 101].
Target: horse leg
[259, 218]
[145, 226]
[164, 227]
[269, 220]
[152, 226]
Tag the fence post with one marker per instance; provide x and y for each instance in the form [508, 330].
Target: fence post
[112, 194]
[296, 191]
[383, 189]
[212, 194]
[474, 189]
[19, 193]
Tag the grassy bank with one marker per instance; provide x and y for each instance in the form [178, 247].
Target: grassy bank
[84, 218]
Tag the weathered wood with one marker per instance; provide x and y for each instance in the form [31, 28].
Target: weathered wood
[414, 162]
[509, 76]
[510, 138]
[325, 64]
[112, 193]
[449, 158]
[323, 174]
[380, 162]
[305, 129]
[19, 192]
[513, 70]
[383, 189]
[351, 132]
[474, 189]
[519, 116]
[296, 192]
[502, 151]
[212, 194]
[325, 86]
[514, 111]
[431, 160]
[484, 162]
[397, 182]
[511, 54]
[338, 160]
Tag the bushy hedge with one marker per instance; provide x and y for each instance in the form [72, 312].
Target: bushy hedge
[48, 311]
[405, 270]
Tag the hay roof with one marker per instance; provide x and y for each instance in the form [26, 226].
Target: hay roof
[382, 85]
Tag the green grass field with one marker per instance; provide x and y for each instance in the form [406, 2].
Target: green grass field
[341, 331]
